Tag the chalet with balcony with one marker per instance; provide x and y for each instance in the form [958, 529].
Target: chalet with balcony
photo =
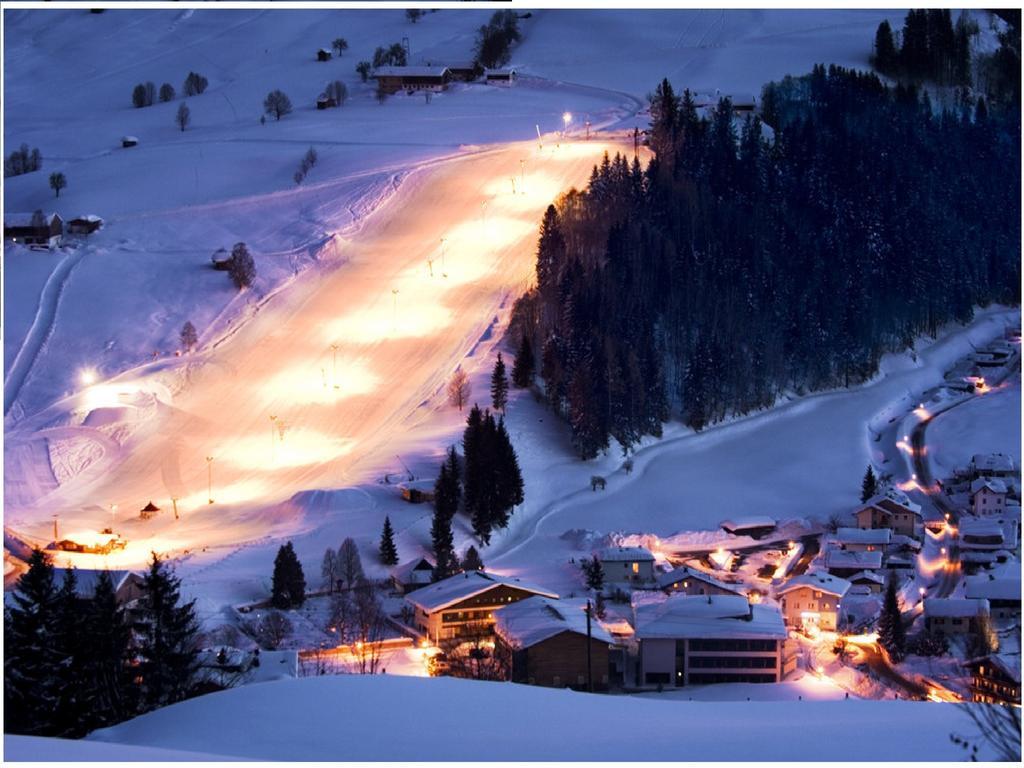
[690, 581]
[812, 600]
[463, 605]
[995, 679]
[394, 79]
[863, 539]
[892, 509]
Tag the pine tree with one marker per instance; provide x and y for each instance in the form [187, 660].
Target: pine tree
[471, 451]
[869, 485]
[167, 639]
[885, 58]
[441, 538]
[388, 552]
[189, 337]
[111, 694]
[508, 478]
[288, 584]
[593, 573]
[522, 368]
[30, 663]
[891, 633]
[499, 385]
[242, 267]
[471, 561]
[70, 712]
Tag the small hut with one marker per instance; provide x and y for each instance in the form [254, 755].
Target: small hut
[221, 259]
[149, 511]
[323, 101]
[323, 55]
[84, 225]
[129, 141]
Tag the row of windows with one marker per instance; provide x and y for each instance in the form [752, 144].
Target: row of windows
[956, 621]
[732, 662]
[733, 645]
[453, 616]
[702, 678]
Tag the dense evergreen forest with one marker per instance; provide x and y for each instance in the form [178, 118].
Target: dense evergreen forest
[736, 267]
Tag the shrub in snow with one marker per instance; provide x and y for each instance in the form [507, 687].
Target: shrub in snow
[363, 68]
[194, 85]
[167, 92]
[183, 117]
[242, 268]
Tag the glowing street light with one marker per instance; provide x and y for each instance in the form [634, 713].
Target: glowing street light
[444, 250]
[87, 376]
[209, 479]
[566, 119]
[522, 176]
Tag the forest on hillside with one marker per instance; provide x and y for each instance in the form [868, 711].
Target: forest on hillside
[744, 263]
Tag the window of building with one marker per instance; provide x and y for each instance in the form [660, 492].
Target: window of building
[636, 567]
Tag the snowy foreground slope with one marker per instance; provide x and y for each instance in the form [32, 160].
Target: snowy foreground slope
[383, 717]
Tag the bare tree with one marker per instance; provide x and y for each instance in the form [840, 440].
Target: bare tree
[270, 629]
[474, 655]
[183, 117]
[167, 92]
[58, 182]
[336, 91]
[458, 389]
[277, 104]
[329, 569]
[999, 727]
[350, 565]
[340, 45]
[360, 621]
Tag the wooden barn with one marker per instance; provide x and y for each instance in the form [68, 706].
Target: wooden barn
[394, 79]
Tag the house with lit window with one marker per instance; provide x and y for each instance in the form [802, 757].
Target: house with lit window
[695, 640]
[412, 575]
[394, 79]
[1001, 592]
[36, 230]
[690, 581]
[863, 539]
[988, 496]
[626, 565]
[995, 679]
[892, 509]
[844, 563]
[463, 605]
[544, 642]
[991, 465]
[955, 615]
[812, 600]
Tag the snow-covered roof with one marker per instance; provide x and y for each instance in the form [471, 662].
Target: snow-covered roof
[991, 588]
[992, 462]
[867, 576]
[894, 496]
[624, 554]
[1009, 663]
[130, 138]
[18, 219]
[844, 558]
[863, 536]
[685, 572]
[531, 621]
[86, 580]
[418, 571]
[461, 586]
[90, 217]
[982, 558]
[954, 607]
[710, 617]
[980, 526]
[409, 71]
[818, 580]
[994, 485]
[499, 72]
[748, 523]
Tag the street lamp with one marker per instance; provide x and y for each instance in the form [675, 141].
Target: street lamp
[87, 376]
[334, 366]
[522, 176]
[209, 479]
[444, 250]
[394, 310]
[566, 119]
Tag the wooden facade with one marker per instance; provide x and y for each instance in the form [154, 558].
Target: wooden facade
[559, 661]
[468, 617]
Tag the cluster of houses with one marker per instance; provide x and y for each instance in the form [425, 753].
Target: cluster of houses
[438, 76]
[46, 230]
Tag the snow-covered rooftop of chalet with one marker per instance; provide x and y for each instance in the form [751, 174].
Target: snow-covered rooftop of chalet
[531, 621]
[19, 219]
[1009, 663]
[995, 485]
[980, 526]
[998, 462]
[863, 535]
[844, 558]
[409, 71]
[86, 580]
[954, 607]
[710, 617]
[896, 496]
[985, 587]
[747, 523]
[818, 580]
[867, 576]
[461, 586]
[685, 572]
[624, 554]
[418, 571]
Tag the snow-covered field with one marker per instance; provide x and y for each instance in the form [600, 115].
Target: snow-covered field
[327, 718]
[989, 423]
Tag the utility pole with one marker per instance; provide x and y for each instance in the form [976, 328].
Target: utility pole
[209, 479]
[334, 366]
[636, 143]
[272, 430]
[588, 129]
[55, 536]
[590, 670]
[174, 503]
[394, 313]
